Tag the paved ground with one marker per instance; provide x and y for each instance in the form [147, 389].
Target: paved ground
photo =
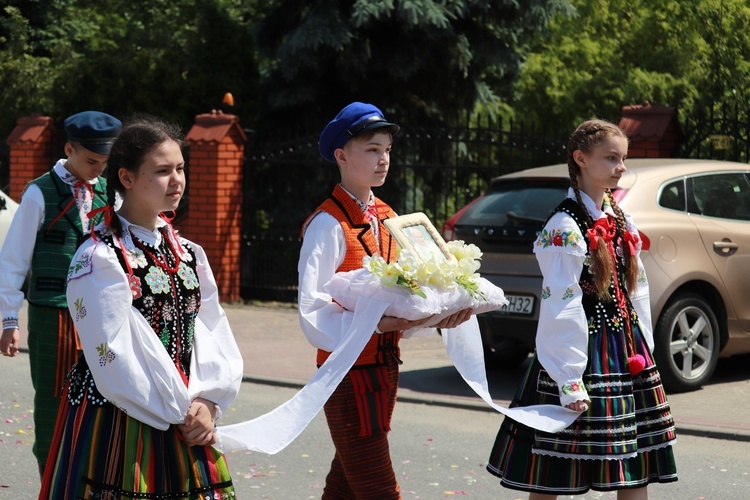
[275, 352]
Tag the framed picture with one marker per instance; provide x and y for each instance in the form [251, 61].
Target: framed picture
[415, 232]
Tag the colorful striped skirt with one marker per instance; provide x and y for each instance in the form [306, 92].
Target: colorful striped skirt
[98, 452]
[624, 440]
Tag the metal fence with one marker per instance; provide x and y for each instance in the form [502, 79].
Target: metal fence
[435, 170]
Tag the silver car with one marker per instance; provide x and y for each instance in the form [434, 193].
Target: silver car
[694, 219]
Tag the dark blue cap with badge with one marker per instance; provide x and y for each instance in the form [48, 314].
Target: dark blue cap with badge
[353, 120]
[94, 130]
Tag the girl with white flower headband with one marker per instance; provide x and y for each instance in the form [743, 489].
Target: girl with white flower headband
[159, 359]
[593, 345]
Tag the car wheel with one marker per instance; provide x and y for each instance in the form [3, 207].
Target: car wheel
[506, 354]
[686, 343]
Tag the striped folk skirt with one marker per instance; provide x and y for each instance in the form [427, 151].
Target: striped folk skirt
[98, 452]
[624, 440]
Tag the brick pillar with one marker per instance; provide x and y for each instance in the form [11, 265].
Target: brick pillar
[214, 218]
[31, 145]
[653, 130]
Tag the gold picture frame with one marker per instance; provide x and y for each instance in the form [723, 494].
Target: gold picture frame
[415, 232]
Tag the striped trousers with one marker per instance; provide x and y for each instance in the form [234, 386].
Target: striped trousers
[359, 414]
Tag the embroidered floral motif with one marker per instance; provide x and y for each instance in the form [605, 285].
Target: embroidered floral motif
[157, 280]
[137, 257]
[642, 276]
[164, 337]
[105, 354]
[83, 262]
[558, 238]
[189, 279]
[545, 292]
[192, 305]
[573, 387]
[568, 294]
[587, 287]
[80, 309]
[135, 285]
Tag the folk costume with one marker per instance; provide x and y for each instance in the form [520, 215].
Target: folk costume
[589, 349]
[154, 338]
[335, 238]
[43, 237]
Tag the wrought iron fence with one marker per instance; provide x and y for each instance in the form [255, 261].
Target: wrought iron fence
[720, 132]
[435, 170]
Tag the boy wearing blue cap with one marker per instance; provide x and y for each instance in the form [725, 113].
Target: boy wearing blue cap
[343, 229]
[40, 243]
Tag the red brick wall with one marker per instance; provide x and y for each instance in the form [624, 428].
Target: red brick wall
[214, 218]
[31, 144]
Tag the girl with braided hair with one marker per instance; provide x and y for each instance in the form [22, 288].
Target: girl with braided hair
[159, 359]
[593, 345]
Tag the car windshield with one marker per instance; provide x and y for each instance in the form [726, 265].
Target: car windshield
[528, 203]
[509, 216]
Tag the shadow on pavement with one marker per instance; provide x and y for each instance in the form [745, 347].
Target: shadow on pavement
[446, 381]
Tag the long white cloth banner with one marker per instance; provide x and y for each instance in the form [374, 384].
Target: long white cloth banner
[273, 431]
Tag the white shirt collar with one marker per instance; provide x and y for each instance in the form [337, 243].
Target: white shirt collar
[64, 174]
[146, 235]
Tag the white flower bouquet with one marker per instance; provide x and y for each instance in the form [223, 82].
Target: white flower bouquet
[416, 287]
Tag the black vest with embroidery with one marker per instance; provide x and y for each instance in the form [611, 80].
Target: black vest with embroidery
[597, 310]
[168, 301]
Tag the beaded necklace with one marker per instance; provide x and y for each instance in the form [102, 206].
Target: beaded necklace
[160, 261]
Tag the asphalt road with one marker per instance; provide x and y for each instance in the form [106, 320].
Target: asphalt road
[438, 452]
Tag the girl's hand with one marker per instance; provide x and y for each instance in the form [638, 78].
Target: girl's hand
[198, 429]
[580, 405]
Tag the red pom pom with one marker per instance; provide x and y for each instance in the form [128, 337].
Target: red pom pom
[636, 364]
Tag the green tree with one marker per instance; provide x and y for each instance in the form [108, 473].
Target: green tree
[620, 52]
[425, 59]
[170, 58]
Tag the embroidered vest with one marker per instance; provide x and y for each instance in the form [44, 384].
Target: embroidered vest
[361, 242]
[169, 302]
[57, 240]
[597, 311]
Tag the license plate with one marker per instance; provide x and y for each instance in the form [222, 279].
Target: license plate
[518, 304]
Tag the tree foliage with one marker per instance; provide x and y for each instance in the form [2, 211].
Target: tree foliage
[171, 58]
[620, 52]
[421, 58]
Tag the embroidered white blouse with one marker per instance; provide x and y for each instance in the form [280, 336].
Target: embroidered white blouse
[140, 377]
[562, 332]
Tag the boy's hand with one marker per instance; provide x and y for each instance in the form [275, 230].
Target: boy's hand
[198, 429]
[455, 319]
[9, 342]
[391, 323]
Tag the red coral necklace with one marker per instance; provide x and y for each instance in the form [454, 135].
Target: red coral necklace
[159, 260]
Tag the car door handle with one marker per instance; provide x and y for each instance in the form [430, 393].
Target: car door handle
[725, 247]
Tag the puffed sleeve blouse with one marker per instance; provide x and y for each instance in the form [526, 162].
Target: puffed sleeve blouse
[137, 374]
[562, 331]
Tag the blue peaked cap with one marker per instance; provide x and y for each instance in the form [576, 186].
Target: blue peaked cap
[94, 130]
[353, 120]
